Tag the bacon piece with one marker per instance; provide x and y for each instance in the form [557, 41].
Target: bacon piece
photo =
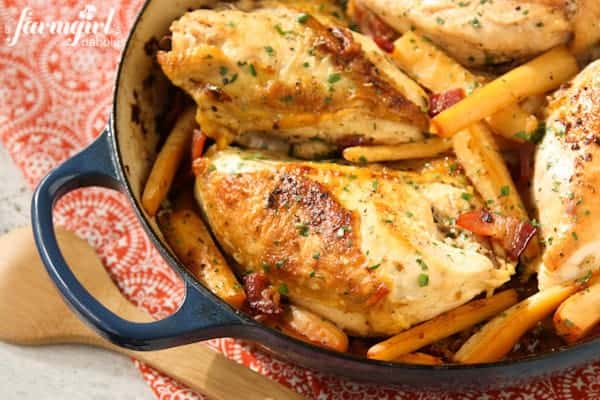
[370, 24]
[262, 297]
[438, 102]
[384, 43]
[526, 151]
[381, 291]
[198, 142]
[513, 233]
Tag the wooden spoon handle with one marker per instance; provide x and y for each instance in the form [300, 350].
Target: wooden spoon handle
[208, 372]
[202, 369]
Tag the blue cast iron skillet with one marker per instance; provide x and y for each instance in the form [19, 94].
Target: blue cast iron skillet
[120, 159]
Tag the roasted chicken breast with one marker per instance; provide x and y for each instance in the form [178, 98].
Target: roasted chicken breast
[371, 249]
[478, 32]
[566, 181]
[281, 72]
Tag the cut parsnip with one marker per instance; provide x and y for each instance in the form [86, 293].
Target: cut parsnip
[442, 326]
[579, 314]
[430, 66]
[544, 73]
[419, 359]
[426, 149]
[311, 328]
[498, 336]
[168, 160]
[476, 151]
[189, 238]
[513, 123]
[438, 72]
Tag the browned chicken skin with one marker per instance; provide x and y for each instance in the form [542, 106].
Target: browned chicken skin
[280, 71]
[373, 250]
[567, 180]
[480, 32]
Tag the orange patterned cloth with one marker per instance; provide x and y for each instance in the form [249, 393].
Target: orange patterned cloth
[55, 96]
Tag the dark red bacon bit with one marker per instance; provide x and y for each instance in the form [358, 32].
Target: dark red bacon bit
[262, 297]
[384, 44]
[438, 102]
[513, 233]
[371, 25]
[198, 142]
[526, 151]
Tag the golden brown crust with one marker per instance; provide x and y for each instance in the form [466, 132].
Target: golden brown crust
[266, 71]
[374, 250]
[568, 175]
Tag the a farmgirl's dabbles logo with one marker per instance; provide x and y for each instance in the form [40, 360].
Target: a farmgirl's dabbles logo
[87, 23]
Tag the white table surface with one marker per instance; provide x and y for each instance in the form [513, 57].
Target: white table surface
[56, 372]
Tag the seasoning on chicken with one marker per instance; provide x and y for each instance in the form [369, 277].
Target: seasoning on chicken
[481, 32]
[373, 250]
[567, 180]
[279, 71]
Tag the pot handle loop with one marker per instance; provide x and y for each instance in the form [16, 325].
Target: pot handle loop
[202, 316]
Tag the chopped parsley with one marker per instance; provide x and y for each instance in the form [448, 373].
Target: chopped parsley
[422, 264]
[466, 196]
[374, 267]
[333, 78]
[283, 289]
[585, 278]
[423, 280]
[270, 51]
[303, 18]
[303, 229]
[504, 191]
[475, 23]
[252, 69]
[316, 256]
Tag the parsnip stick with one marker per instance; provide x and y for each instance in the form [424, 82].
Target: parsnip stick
[438, 72]
[498, 336]
[311, 328]
[545, 73]
[513, 123]
[429, 148]
[430, 66]
[190, 240]
[168, 160]
[419, 359]
[442, 326]
[476, 150]
[579, 314]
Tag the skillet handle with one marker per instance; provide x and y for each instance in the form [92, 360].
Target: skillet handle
[202, 316]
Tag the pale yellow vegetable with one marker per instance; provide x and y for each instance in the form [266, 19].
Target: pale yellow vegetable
[441, 327]
[513, 123]
[544, 73]
[477, 152]
[430, 66]
[579, 314]
[426, 149]
[168, 160]
[438, 72]
[189, 238]
[419, 359]
[497, 337]
[311, 328]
